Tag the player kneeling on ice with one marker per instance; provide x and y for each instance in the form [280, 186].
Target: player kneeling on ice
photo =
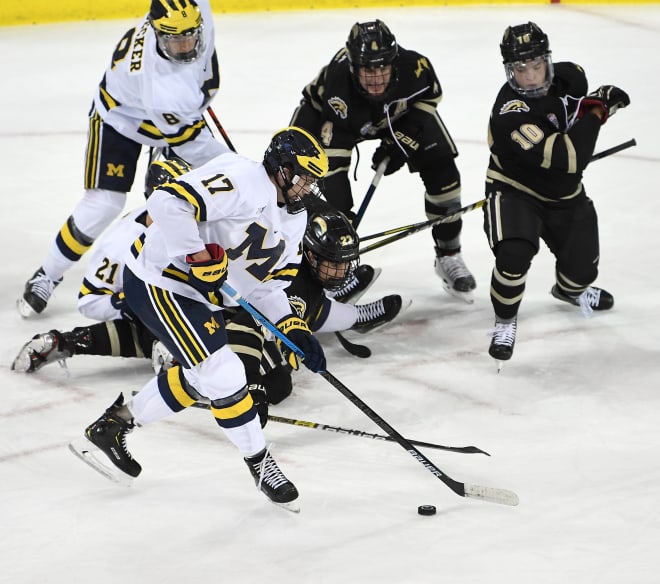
[233, 219]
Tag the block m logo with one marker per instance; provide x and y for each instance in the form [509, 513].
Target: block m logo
[115, 170]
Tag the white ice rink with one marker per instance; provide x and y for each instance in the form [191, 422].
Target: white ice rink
[572, 422]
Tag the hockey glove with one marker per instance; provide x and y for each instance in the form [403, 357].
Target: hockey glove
[608, 97]
[298, 333]
[260, 400]
[208, 276]
[118, 302]
[388, 149]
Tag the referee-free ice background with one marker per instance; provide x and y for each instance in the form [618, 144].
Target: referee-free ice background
[572, 422]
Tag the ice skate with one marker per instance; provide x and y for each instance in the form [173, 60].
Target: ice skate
[456, 278]
[379, 313]
[503, 340]
[108, 435]
[50, 347]
[38, 290]
[363, 278]
[591, 299]
[270, 480]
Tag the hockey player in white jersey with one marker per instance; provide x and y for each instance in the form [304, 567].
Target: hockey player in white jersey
[231, 219]
[161, 78]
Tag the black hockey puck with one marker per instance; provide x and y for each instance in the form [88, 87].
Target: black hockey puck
[426, 509]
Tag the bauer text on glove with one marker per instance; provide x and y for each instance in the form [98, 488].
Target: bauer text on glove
[299, 334]
[207, 276]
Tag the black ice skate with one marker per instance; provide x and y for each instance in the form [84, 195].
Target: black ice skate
[591, 299]
[376, 314]
[456, 278]
[362, 280]
[50, 347]
[108, 434]
[270, 480]
[38, 291]
[504, 338]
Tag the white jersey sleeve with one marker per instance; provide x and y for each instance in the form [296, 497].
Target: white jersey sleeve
[104, 274]
[230, 201]
[160, 103]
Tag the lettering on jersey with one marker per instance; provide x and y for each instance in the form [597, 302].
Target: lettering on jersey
[298, 305]
[339, 106]
[421, 65]
[115, 170]
[407, 140]
[513, 106]
[253, 249]
[326, 133]
[138, 48]
[212, 326]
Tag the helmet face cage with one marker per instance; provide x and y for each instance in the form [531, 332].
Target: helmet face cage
[298, 151]
[164, 171]
[526, 45]
[371, 45]
[331, 248]
[179, 29]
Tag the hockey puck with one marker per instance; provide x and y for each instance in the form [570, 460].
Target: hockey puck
[426, 509]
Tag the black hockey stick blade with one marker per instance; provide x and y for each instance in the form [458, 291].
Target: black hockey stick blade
[355, 349]
[490, 494]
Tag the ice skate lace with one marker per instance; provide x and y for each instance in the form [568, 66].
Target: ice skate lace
[504, 333]
[42, 286]
[269, 472]
[348, 288]
[371, 311]
[453, 267]
[588, 300]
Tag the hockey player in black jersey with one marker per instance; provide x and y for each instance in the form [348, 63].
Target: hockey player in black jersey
[374, 89]
[542, 134]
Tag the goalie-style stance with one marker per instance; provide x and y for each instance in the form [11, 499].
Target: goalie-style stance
[374, 89]
[230, 219]
[543, 130]
[160, 81]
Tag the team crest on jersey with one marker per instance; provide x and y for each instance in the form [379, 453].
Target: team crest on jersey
[298, 305]
[339, 106]
[514, 105]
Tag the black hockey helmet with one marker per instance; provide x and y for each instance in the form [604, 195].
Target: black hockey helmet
[373, 46]
[179, 29]
[297, 150]
[331, 247]
[163, 171]
[526, 45]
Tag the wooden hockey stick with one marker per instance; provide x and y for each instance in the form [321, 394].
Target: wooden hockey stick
[397, 233]
[491, 494]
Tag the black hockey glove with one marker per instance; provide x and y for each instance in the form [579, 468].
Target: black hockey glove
[608, 97]
[208, 276]
[260, 400]
[298, 333]
[388, 149]
[118, 301]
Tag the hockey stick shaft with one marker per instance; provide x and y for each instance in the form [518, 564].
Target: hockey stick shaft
[380, 171]
[360, 433]
[491, 494]
[400, 232]
[220, 129]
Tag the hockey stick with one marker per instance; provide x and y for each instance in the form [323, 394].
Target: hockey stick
[218, 125]
[397, 233]
[380, 171]
[491, 494]
[360, 433]
[355, 349]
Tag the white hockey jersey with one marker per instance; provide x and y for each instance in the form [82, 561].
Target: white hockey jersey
[104, 274]
[230, 201]
[158, 102]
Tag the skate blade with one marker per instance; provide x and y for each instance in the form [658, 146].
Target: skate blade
[24, 309]
[292, 506]
[94, 458]
[467, 297]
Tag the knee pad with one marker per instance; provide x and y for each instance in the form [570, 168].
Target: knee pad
[220, 375]
[514, 256]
